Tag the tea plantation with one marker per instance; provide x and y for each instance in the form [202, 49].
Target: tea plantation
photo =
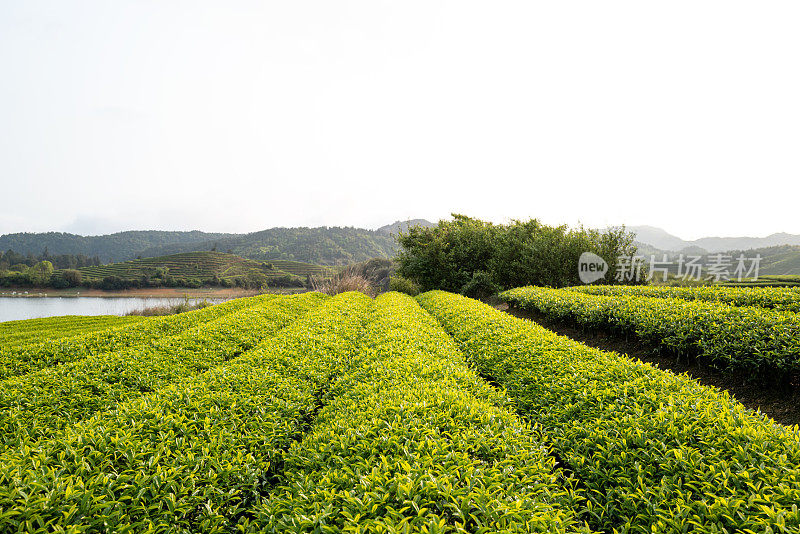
[310, 413]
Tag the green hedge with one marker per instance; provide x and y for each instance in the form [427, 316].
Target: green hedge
[412, 440]
[36, 405]
[23, 359]
[655, 452]
[764, 344]
[193, 456]
[31, 331]
[781, 299]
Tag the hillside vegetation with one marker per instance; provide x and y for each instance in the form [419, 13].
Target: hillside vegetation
[401, 227]
[768, 280]
[783, 260]
[109, 248]
[660, 239]
[323, 245]
[776, 262]
[194, 269]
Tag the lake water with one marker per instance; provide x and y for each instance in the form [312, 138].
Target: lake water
[16, 308]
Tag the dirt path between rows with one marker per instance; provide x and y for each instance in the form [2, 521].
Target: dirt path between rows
[783, 405]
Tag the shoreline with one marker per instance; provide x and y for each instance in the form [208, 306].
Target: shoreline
[146, 292]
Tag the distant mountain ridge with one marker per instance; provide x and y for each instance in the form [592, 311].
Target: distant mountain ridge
[662, 240]
[331, 245]
[119, 246]
[780, 252]
[322, 246]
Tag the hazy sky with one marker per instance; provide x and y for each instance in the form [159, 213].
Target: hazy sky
[240, 116]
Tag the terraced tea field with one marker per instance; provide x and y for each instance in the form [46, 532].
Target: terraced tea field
[766, 280]
[201, 266]
[311, 413]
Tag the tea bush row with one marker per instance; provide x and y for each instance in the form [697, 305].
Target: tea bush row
[764, 344]
[38, 404]
[193, 456]
[26, 358]
[655, 452]
[30, 331]
[412, 440]
[781, 299]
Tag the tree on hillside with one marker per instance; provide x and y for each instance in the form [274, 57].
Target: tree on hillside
[73, 277]
[40, 273]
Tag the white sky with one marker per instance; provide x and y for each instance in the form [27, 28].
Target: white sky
[240, 116]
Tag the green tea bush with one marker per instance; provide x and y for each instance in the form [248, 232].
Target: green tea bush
[780, 299]
[194, 456]
[31, 331]
[655, 452]
[404, 285]
[764, 344]
[23, 359]
[412, 440]
[38, 404]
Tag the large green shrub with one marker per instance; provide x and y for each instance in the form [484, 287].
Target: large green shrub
[403, 285]
[758, 342]
[475, 257]
[480, 286]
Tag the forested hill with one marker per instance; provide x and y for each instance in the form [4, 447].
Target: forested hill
[775, 261]
[321, 246]
[403, 226]
[109, 248]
